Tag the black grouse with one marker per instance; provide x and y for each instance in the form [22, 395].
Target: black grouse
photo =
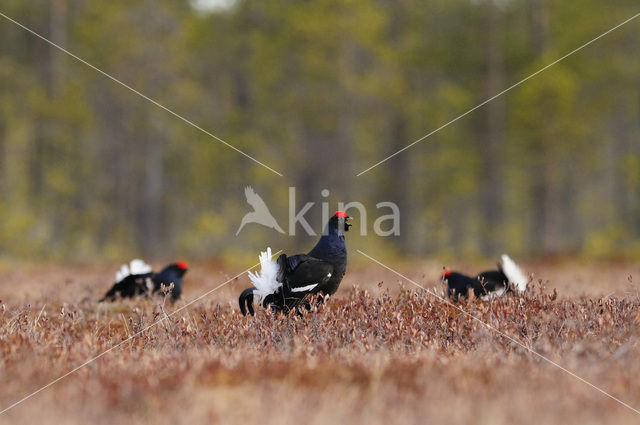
[284, 284]
[508, 277]
[137, 278]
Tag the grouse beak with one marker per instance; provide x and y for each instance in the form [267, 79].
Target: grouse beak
[347, 224]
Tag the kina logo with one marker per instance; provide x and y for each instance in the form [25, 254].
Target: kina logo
[260, 214]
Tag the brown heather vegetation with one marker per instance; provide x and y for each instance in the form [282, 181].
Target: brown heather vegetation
[376, 353]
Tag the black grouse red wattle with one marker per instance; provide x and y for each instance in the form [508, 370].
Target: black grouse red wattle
[285, 283]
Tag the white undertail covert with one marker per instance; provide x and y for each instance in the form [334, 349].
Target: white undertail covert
[265, 281]
[514, 273]
[136, 266]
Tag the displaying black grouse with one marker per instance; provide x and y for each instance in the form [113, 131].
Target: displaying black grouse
[137, 278]
[489, 283]
[285, 283]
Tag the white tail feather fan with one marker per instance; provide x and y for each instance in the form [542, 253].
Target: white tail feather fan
[265, 282]
[139, 267]
[514, 273]
[136, 266]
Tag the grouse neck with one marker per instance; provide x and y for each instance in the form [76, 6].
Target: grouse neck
[333, 231]
[331, 246]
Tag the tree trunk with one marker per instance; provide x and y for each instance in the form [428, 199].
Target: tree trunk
[400, 181]
[58, 34]
[151, 208]
[491, 192]
[621, 148]
[543, 237]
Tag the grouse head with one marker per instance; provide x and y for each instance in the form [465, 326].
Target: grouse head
[452, 278]
[339, 222]
[179, 268]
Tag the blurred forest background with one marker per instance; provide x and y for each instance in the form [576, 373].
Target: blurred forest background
[319, 90]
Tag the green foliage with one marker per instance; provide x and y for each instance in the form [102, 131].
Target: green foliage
[319, 90]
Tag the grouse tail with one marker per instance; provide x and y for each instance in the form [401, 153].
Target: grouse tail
[136, 266]
[514, 273]
[246, 301]
[266, 281]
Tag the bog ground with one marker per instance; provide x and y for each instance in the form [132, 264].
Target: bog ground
[378, 352]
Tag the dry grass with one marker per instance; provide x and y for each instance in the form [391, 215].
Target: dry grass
[376, 353]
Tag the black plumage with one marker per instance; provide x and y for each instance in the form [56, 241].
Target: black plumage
[458, 284]
[172, 274]
[483, 284]
[134, 284]
[508, 277]
[129, 287]
[298, 276]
